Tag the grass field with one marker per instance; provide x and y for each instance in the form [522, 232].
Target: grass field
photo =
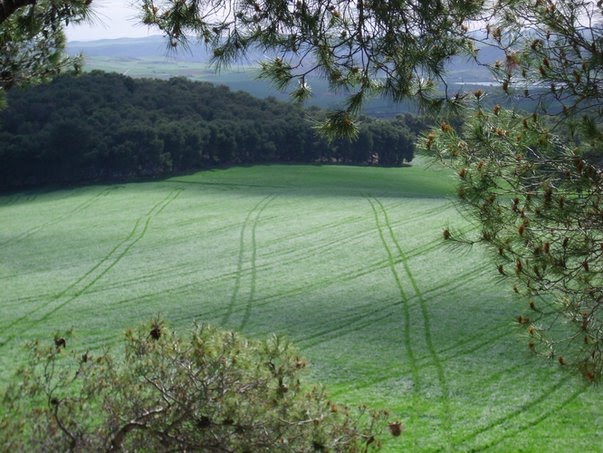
[346, 261]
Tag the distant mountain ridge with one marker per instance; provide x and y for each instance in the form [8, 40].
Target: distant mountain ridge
[460, 69]
[151, 46]
[153, 58]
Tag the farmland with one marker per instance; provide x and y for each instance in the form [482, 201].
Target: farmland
[345, 261]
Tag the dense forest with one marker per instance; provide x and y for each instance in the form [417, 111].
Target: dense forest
[106, 127]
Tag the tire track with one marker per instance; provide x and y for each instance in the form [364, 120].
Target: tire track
[337, 279]
[423, 363]
[87, 280]
[349, 326]
[543, 416]
[343, 322]
[404, 298]
[247, 224]
[66, 215]
[337, 240]
[426, 324]
[291, 256]
[214, 312]
[544, 396]
[340, 326]
[252, 288]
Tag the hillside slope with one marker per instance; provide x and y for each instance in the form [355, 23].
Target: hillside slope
[346, 261]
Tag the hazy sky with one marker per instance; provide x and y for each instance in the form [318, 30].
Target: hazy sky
[114, 19]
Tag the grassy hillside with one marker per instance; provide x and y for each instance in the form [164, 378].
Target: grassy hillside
[346, 261]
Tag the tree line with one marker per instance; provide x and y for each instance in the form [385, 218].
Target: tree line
[103, 127]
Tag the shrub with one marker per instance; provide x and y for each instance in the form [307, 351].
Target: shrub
[212, 391]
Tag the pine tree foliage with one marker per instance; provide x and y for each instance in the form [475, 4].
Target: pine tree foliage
[540, 208]
[366, 47]
[534, 181]
[32, 39]
[553, 54]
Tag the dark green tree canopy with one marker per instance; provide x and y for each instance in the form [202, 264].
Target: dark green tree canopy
[107, 127]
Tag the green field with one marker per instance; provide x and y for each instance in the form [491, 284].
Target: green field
[346, 261]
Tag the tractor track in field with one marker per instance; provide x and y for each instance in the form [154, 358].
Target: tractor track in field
[183, 269]
[515, 413]
[82, 206]
[191, 268]
[248, 225]
[535, 421]
[213, 311]
[253, 265]
[382, 264]
[344, 277]
[425, 361]
[349, 326]
[290, 256]
[404, 302]
[427, 329]
[419, 250]
[343, 323]
[341, 327]
[471, 274]
[87, 280]
[337, 241]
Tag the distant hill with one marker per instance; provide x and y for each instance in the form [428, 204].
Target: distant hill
[152, 46]
[106, 127]
[152, 57]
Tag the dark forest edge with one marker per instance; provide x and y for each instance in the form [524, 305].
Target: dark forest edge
[102, 127]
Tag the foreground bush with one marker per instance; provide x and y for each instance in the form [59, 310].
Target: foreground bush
[213, 391]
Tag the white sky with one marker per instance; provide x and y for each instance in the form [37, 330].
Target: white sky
[113, 19]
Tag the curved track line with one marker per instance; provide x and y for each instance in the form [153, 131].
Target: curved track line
[515, 413]
[237, 283]
[346, 221]
[252, 285]
[101, 268]
[101, 274]
[395, 372]
[266, 300]
[426, 324]
[185, 268]
[546, 414]
[349, 327]
[258, 207]
[345, 277]
[404, 298]
[78, 281]
[75, 210]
